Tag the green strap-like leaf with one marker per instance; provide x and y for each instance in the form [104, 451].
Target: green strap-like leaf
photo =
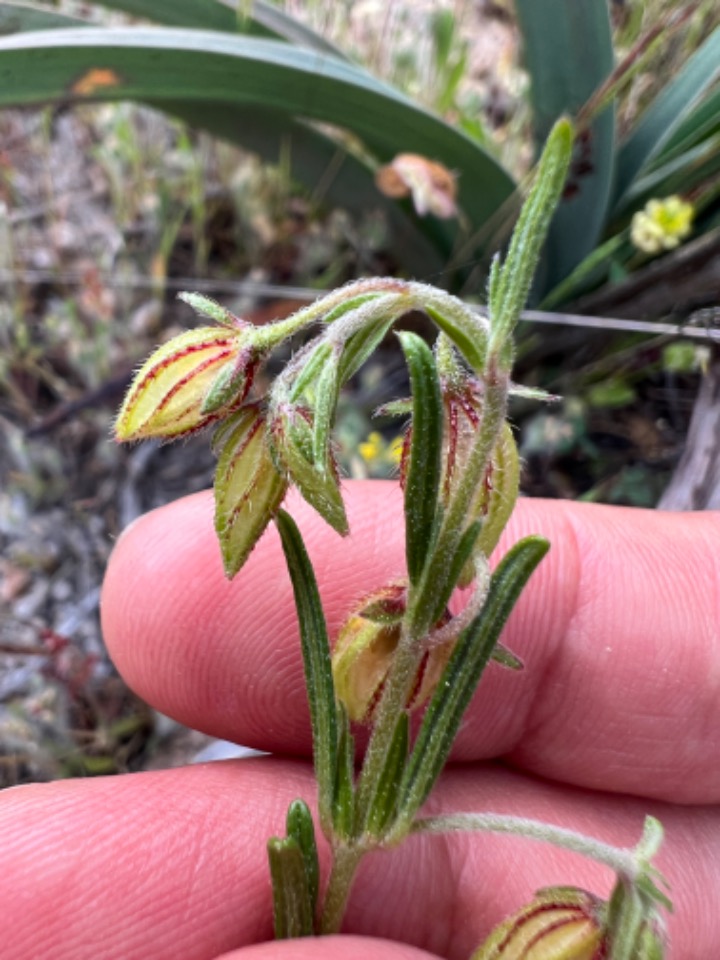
[457, 685]
[666, 114]
[423, 470]
[568, 51]
[316, 660]
[154, 64]
[383, 804]
[300, 826]
[510, 290]
[292, 902]
[343, 813]
[448, 573]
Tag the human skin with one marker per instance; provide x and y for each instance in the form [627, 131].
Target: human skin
[616, 715]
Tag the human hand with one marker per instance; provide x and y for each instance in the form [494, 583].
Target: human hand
[615, 716]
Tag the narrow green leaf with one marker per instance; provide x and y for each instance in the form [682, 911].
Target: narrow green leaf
[326, 397]
[383, 804]
[447, 575]
[316, 660]
[423, 471]
[310, 370]
[568, 51]
[361, 346]
[207, 307]
[702, 122]
[300, 827]
[512, 288]
[471, 341]
[459, 681]
[665, 115]
[292, 903]
[229, 383]
[343, 814]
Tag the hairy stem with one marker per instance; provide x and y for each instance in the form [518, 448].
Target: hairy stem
[619, 859]
[345, 863]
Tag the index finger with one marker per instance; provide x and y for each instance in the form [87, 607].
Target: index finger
[619, 629]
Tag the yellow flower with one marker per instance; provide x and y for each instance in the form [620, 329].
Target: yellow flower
[377, 452]
[662, 224]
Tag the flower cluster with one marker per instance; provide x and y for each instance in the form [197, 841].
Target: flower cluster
[662, 224]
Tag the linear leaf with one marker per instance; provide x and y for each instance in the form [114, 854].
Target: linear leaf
[698, 125]
[423, 471]
[383, 804]
[292, 904]
[300, 826]
[569, 53]
[511, 288]
[316, 659]
[459, 681]
[666, 113]
[159, 64]
[343, 812]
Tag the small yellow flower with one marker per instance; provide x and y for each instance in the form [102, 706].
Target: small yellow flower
[377, 452]
[662, 224]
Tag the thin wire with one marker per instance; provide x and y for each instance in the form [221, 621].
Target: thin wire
[257, 288]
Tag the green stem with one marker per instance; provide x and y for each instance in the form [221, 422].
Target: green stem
[395, 694]
[620, 859]
[342, 873]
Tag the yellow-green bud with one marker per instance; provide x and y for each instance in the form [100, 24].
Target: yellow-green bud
[561, 923]
[364, 652]
[168, 396]
[248, 488]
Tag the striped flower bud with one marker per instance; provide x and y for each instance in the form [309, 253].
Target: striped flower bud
[364, 652]
[561, 923]
[189, 382]
[248, 488]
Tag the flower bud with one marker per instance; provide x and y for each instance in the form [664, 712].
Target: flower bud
[497, 493]
[364, 652]
[189, 382]
[561, 923]
[248, 488]
[292, 439]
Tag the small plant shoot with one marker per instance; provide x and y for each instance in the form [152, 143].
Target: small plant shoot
[401, 651]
